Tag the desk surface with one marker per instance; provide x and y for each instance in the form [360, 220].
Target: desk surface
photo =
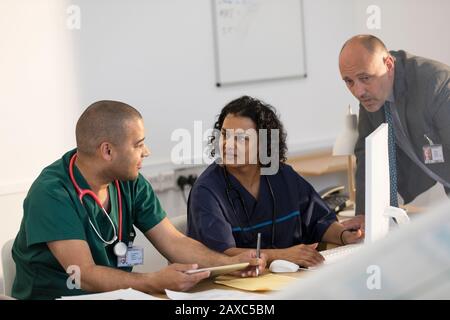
[319, 163]
[209, 284]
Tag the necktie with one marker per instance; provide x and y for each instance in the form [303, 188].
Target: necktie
[392, 155]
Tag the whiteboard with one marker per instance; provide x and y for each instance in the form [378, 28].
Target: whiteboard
[258, 40]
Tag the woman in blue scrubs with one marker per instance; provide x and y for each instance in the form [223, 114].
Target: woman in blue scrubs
[249, 190]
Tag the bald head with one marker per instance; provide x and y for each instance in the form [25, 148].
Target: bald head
[369, 42]
[104, 121]
[368, 70]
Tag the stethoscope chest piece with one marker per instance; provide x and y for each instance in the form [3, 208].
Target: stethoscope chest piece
[120, 249]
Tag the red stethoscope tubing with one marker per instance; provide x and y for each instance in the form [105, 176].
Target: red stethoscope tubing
[81, 193]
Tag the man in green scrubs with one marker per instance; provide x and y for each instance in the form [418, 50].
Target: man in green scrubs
[63, 240]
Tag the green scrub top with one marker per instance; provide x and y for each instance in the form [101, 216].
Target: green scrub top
[53, 211]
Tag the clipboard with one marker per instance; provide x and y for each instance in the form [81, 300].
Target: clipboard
[219, 270]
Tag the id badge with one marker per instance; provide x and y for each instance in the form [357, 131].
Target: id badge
[134, 257]
[433, 154]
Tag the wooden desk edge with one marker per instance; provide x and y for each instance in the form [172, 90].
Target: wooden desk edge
[316, 164]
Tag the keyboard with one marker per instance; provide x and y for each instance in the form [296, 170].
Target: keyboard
[336, 254]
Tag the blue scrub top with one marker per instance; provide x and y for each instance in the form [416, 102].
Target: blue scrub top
[300, 214]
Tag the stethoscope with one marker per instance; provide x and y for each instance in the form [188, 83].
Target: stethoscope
[230, 187]
[120, 248]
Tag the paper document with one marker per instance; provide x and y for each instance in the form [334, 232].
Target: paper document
[214, 294]
[267, 282]
[121, 294]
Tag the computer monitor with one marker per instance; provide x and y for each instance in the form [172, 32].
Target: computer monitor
[411, 263]
[377, 184]
[378, 209]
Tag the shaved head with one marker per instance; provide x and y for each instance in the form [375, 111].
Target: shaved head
[367, 69]
[371, 43]
[104, 121]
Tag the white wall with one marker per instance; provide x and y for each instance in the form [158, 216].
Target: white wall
[39, 95]
[38, 98]
[417, 26]
[158, 56]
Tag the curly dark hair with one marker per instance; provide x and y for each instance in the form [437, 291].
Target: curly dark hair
[262, 114]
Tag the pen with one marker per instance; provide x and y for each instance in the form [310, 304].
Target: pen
[258, 250]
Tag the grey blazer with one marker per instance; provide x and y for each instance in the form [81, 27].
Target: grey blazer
[422, 98]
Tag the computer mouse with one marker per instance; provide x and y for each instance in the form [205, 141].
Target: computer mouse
[283, 266]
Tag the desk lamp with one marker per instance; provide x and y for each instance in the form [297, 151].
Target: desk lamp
[344, 146]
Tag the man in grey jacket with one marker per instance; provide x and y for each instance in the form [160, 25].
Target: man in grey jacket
[416, 93]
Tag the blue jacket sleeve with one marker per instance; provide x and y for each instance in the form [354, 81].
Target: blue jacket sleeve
[316, 216]
[206, 221]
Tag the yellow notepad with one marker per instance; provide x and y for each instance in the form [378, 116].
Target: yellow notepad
[267, 282]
